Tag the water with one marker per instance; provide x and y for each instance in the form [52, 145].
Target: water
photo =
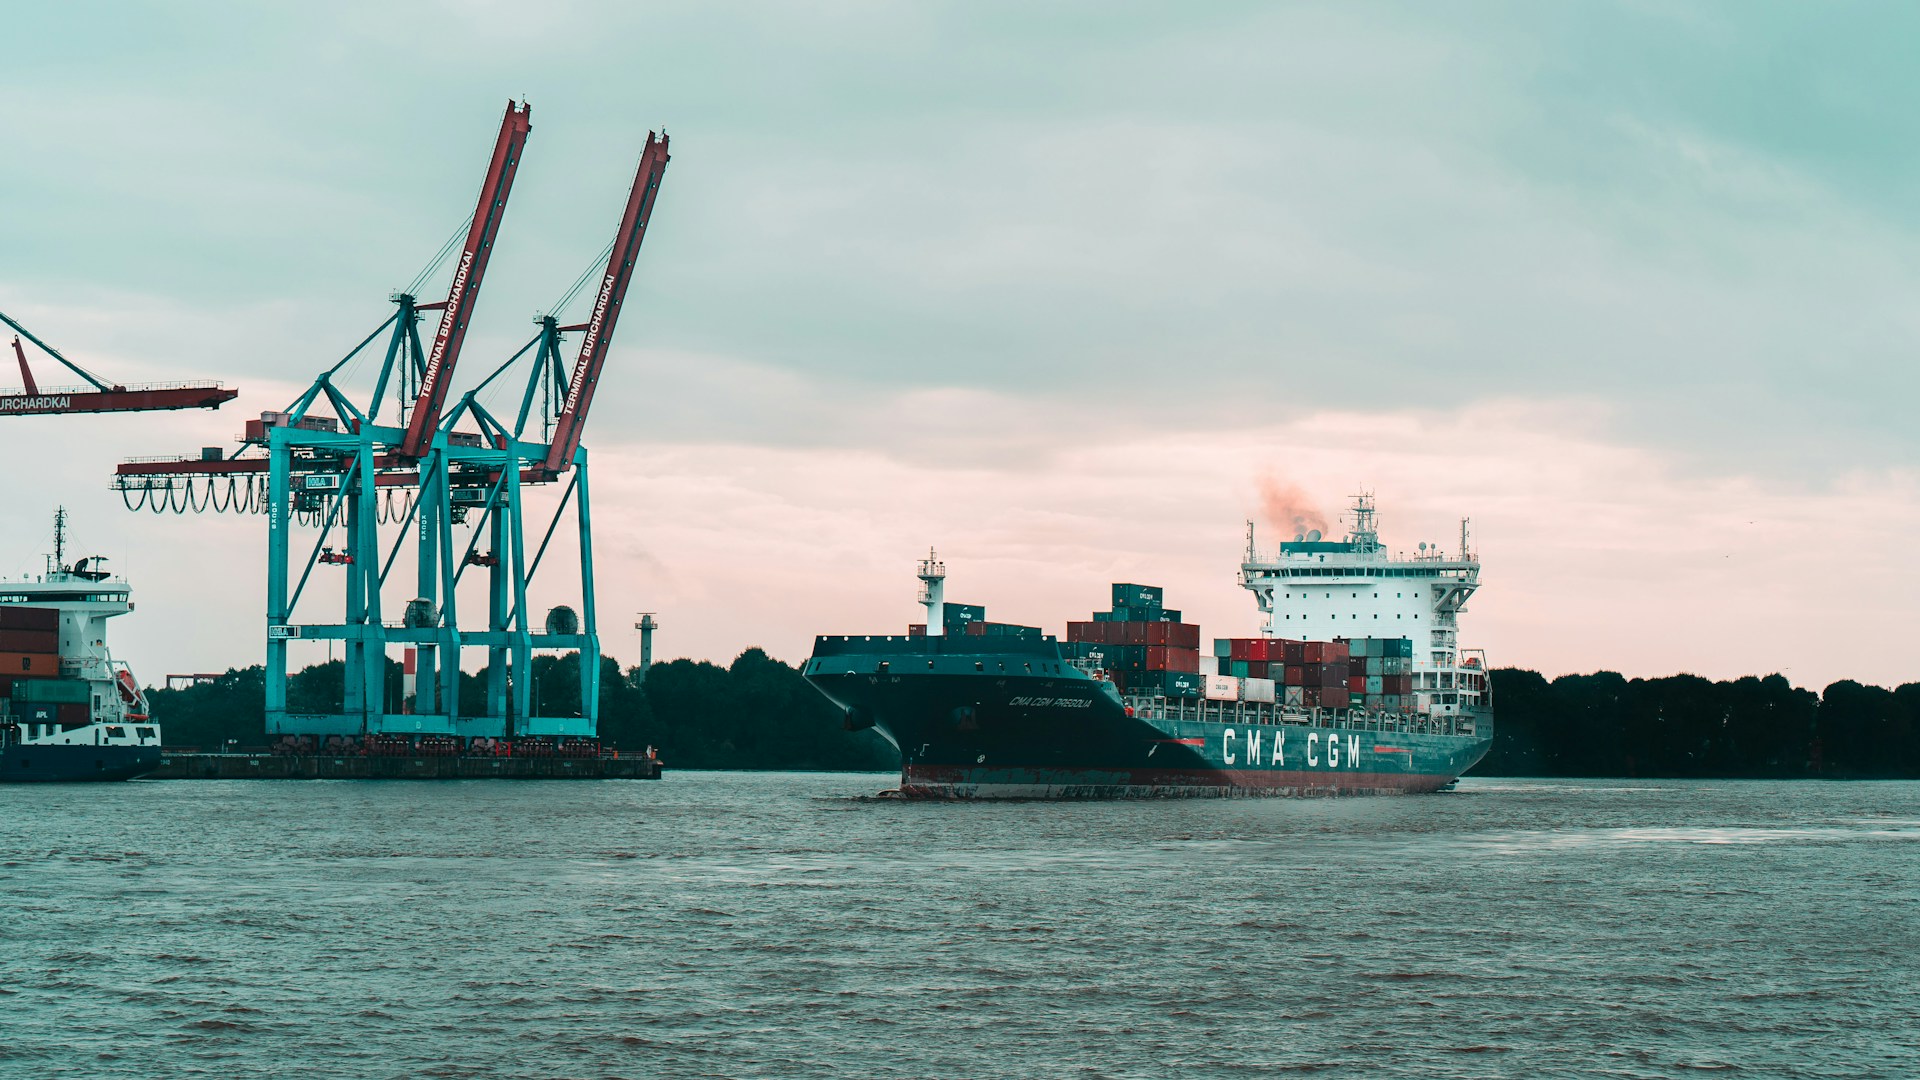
[781, 926]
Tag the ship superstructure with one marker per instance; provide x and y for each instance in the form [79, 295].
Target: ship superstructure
[1314, 589]
[68, 709]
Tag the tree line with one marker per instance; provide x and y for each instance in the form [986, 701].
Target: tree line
[756, 713]
[759, 713]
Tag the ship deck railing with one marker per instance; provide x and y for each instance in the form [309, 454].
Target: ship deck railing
[1261, 712]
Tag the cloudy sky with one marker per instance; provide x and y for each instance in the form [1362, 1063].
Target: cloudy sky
[1055, 288]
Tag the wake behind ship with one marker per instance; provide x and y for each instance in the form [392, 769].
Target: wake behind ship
[1128, 706]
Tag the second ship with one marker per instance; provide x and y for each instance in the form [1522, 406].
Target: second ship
[1356, 685]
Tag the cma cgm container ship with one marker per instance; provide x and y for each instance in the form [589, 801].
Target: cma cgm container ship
[1356, 684]
[68, 709]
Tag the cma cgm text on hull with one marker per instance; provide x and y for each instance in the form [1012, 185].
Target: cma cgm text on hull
[1129, 705]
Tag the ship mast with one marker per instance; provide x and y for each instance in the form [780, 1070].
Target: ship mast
[933, 591]
[59, 541]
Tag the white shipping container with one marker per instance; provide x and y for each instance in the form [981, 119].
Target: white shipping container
[1256, 690]
[1223, 688]
[1209, 665]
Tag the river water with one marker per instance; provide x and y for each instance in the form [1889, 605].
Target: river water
[784, 925]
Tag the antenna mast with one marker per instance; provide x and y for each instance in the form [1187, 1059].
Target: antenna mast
[59, 540]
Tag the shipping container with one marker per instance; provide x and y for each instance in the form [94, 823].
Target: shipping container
[1168, 658]
[74, 714]
[1237, 668]
[1223, 647]
[41, 665]
[35, 641]
[1170, 615]
[1395, 702]
[916, 629]
[53, 691]
[1222, 688]
[28, 618]
[1356, 684]
[1294, 653]
[37, 714]
[1256, 690]
[1359, 646]
[1375, 701]
[1293, 695]
[1134, 633]
[1335, 698]
[1374, 683]
[1333, 675]
[1186, 684]
[1210, 665]
[1126, 595]
[1103, 616]
[1315, 652]
[1395, 665]
[960, 614]
[1337, 652]
[1295, 675]
[1257, 669]
[1239, 648]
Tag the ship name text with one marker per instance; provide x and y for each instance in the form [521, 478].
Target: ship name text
[1052, 702]
[1319, 750]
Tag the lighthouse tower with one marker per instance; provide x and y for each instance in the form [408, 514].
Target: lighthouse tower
[933, 592]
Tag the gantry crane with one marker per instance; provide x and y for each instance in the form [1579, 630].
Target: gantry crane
[327, 464]
[98, 396]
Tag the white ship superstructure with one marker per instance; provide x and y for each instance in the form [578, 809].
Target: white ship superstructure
[1314, 589]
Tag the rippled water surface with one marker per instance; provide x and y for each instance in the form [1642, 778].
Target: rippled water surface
[783, 925]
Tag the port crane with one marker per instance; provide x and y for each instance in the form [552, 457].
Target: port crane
[97, 396]
[407, 460]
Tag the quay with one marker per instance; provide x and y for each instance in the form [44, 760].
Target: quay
[263, 765]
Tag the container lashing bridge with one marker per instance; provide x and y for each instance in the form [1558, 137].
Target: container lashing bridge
[327, 464]
[97, 396]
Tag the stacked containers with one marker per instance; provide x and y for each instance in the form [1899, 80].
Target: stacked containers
[1141, 643]
[1304, 673]
[1382, 671]
[29, 642]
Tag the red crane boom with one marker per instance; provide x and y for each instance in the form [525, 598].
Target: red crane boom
[98, 396]
[606, 305]
[458, 309]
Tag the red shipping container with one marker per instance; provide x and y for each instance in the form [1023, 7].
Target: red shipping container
[917, 629]
[1168, 658]
[1256, 669]
[1157, 633]
[1295, 675]
[40, 665]
[1257, 649]
[1184, 635]
[1310, 695]
[38, 641]
[1356, 684]
[1295, 653]
[1237, 648]
[1338, 651]
[28, 618]
[73, 714]
[977, 629]
[1315, 652]
[1333, 675]
[1132, 633]
[1336, 699]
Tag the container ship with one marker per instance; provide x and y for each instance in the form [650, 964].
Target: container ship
[68, 709]
[1355, 684]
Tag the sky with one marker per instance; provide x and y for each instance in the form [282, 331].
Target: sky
[1056, 289]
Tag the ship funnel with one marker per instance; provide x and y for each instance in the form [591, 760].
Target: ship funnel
[1313, 536]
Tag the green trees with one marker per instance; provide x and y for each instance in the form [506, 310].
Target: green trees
[756, 714]
[1606, 725]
